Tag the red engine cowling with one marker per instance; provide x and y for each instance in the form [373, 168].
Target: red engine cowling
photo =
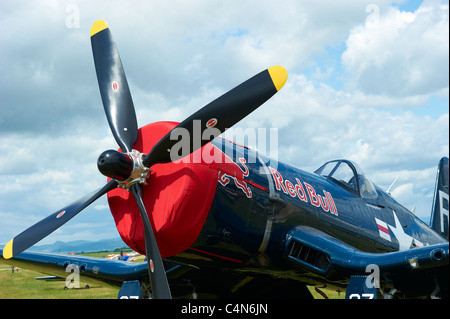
[178, 198]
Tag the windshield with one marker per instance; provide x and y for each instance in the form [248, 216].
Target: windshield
[350, 176]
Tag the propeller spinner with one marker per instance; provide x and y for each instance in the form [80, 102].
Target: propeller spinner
[129, 169]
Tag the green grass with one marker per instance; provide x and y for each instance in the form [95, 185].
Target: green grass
[23, 285]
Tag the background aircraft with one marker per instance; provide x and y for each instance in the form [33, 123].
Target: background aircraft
[259, 227]
[122, 256]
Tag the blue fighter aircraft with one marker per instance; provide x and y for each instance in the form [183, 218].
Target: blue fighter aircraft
[217, 219]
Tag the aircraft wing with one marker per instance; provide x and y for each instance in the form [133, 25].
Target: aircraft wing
[419, 271]
[94, 270]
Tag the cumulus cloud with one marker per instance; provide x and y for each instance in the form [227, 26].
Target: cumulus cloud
[400, 54]
[321, 123]
[178, 56]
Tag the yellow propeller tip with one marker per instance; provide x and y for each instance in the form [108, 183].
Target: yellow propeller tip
[98, 26]
[8, 250]
[279, 76]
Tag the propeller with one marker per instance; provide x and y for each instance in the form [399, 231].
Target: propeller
[49, 224]
[113, 86]
[129, 169]
[155, 265]
[222, 113]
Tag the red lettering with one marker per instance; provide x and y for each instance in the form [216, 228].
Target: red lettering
[324, 202]
[331, 201]
[278, 179]
[312, 195]
[290, 188]
[299, 189]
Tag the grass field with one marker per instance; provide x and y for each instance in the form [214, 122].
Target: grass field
[23, 285]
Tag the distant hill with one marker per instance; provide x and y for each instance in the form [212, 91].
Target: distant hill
[79, 246]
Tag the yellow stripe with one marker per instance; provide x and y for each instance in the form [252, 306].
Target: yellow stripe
[98, 26]
[279, 76]
[8, 250]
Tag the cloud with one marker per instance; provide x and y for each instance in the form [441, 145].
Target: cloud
[400, 54]
[354, 86]
[321, 123]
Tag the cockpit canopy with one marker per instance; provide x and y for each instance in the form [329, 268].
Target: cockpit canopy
[350, 176]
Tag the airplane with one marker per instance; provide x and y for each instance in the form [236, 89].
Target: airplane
[122, 256]
[219, 220]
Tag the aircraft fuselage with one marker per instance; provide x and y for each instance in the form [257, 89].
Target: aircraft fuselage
[258, 201]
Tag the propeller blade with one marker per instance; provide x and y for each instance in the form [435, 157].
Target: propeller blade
[49, 224]
[156, 271]
[113, 85]
[222, 113]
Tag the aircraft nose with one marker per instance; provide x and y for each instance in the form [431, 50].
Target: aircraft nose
[177, 199]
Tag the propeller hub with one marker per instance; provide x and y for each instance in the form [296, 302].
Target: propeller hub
[115, 164]
[127, 169]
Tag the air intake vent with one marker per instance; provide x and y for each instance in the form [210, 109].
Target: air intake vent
[309, 255]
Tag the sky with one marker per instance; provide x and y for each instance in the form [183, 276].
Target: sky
[368, 81]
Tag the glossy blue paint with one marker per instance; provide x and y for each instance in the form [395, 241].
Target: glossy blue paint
[346, 228]
[272, 218]
[284, 197]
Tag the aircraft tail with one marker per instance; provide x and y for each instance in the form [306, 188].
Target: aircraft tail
[439, 214]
